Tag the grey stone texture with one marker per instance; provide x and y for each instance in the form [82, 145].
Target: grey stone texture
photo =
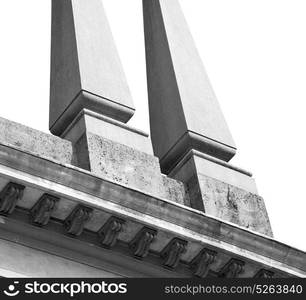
[219, 196]
[101, 180]
[86, 71]
[90, 102]
[176, 191]
[104, 158]
[184, 111]
[124, 165]
[234, 205]
[188, 130]
[127, 166]
[89, 121]
[195, 162]
[35, 142]
[229, 203]
[77, 187]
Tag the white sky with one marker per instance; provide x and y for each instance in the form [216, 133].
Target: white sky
[255, 55]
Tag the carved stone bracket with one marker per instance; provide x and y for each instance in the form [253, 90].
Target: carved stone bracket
[9, 197]
[200, 264]
[173, 252]
[109, 232]
[41, 212]
[77, 219]
[232, 269]
[140, 245]
[264, 274]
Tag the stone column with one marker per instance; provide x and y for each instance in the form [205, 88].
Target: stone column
[88, 89]
[188, 130]
[90, 101]
[86, 71]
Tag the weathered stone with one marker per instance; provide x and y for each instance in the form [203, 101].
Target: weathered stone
[175, 191]
[232, 269]
[41, 212]
[201, 263]
[223, 191]
[117, 191]
[172, 253]
[35, 142]
[140, 245]
[108, 128]
[76, 221]
[107, 164]
[124, 165]
[9, 197]
[234, 205]
[106, 198]
[109, 232]
[264, 274]
[195, 162]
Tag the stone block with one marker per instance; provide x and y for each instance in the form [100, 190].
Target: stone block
[184, 111]
[195, 162]
[124, 165]
[103, 157]
[35, 142]
[175, 191]
[234, 205]
[223, 191]
[89, 121]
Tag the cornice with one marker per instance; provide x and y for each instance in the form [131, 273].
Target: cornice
[105, 200]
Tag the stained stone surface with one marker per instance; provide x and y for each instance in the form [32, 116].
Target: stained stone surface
[78, 187]
[35, 142]
[103, 157]
[175, 191]
[234, 205]
[125, 165]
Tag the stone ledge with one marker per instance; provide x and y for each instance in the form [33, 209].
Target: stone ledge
[86, 248]
[86, 189]
[36, 142]
[139, 169]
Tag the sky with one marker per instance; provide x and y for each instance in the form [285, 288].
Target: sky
[254, 53]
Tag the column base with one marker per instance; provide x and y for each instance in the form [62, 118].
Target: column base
[116, 152]
[223, 191]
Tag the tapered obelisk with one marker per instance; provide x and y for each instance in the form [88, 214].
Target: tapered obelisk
[90, 101]
[188, 130]
[86, 71]
[181, 96]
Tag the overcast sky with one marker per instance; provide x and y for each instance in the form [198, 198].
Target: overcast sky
[255, 55]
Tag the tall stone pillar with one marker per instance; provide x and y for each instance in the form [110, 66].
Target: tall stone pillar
[188, 130]
[86, 71]
[90, 100]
